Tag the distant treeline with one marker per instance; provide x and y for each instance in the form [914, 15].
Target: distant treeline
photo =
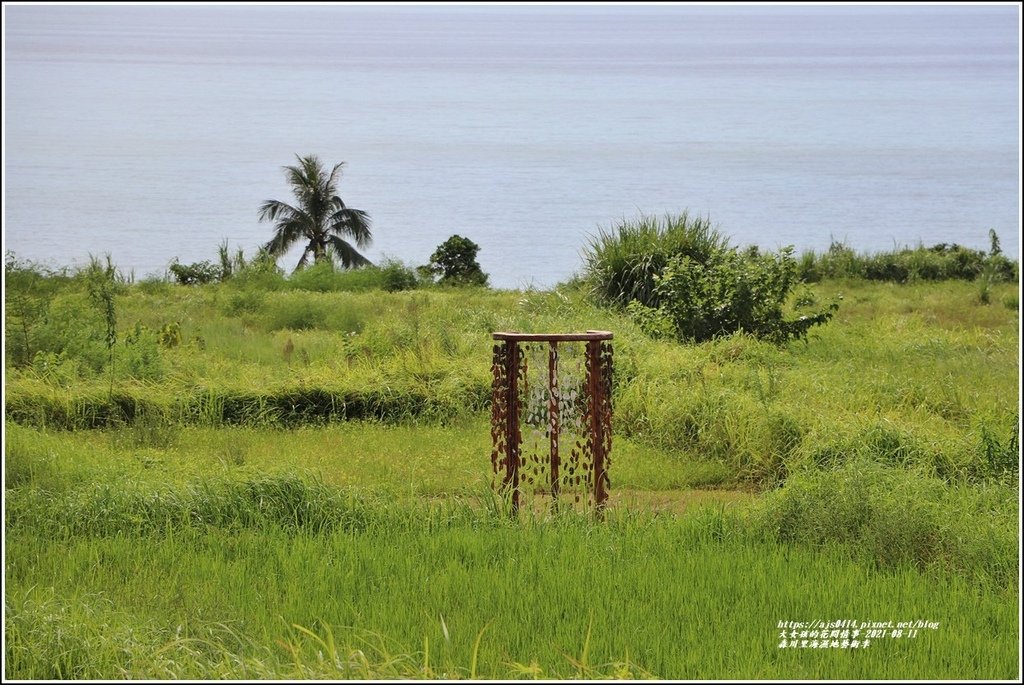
[936, 263]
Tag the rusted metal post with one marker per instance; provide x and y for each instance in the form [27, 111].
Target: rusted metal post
[512, 407]
[553, 398]
[595, 391]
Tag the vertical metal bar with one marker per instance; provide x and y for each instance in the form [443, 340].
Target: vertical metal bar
[596, 391]
[606, 418]
[512, 448]
[553, 397]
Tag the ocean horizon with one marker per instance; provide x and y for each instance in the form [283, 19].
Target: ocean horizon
[154, 133]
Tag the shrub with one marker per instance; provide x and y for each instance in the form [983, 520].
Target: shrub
[323, 277]
[622, 265]
[27, 296]
[455, 261]
[942, 261]
[396, 276]
[154, 285]
[728, 292]
[140, 358]
[262, 272]
[319, 277]
[679, 277]
[229, 264]
[197, 273]
[74, 329]
[243, 302]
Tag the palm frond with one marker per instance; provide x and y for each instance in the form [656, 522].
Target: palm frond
[354, 223]
[304, 259]
[286, 233]
[346, 253]
[272, 209]
[332, 180]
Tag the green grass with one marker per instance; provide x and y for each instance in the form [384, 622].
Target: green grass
[188, 593]
[233, 510]
[926, 362]
[402, 460]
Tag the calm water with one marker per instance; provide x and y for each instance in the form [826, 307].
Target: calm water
[155, 132]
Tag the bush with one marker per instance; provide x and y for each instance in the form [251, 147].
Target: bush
[198, 273]
[323, 277]
[455, 261]
[28, 290]
[622, 265]
[141, 358]
[73, 328]
[396, 276]
[319, 277]
[244, 302]
[261, 273]
[678, 277]
[728, 292]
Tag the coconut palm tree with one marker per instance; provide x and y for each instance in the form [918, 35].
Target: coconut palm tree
[319, 217]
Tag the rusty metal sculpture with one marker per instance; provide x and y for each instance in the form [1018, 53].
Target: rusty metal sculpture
[552, 398]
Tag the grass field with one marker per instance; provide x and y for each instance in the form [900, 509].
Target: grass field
[215, 505]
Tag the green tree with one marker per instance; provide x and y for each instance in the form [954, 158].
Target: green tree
[319, 217]
[455, 261]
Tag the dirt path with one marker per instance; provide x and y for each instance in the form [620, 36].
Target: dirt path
[667, 501]
[676, 500]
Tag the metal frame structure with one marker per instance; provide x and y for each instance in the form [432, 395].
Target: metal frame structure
[563, 411]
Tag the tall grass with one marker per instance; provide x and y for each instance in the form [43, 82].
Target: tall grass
[941, 388]
[228, 517]
[251, 582]
[622, 263]
[894, 516]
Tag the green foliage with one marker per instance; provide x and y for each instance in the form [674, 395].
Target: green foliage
[229, 264]
[28, 291]
[1000, 453]
[59, 313]
[323, 277]
[679, 277]
[176, 596]
[247, 301]
[454, 261]
[942, 261]
[55, 369]
[73, 328]
[197, 273]
[319, 277]
[150, 427]
[102, 284]
[895, 516]
[154, 285]
[624, 263]
[396, 276]
[260, 273]
[261, 269]
[170, 334]
[296, 315]
[140, 359]
[890, 443]
[727, 293]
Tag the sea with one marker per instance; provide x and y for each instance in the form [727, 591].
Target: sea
[154, 132]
